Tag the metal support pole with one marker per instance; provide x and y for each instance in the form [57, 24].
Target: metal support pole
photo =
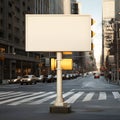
[59, 105]
[59, 99]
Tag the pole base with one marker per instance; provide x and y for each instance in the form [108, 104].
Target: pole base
[60, 109]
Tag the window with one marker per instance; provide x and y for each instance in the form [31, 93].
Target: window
[10, 37]
[9, 26]
[10, 15]
[10, 4]
[28, 8]
[1, 34]
[23, 3]
[17, 20]
[17, 9]
[17, 30]
[1, 10]
[17, 40]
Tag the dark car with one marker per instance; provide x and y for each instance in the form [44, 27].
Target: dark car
[28, 79]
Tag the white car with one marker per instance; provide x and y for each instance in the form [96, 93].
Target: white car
[49, 78]
[15, 80]
[41, 78]
[28, 79]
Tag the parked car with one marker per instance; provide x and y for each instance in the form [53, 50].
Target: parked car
[15, 80]
[41, 78]
[28, 79]
[97, 75]
[55, 78]
[63, 76]
[102, 73]
[49, 78]
[67, 76]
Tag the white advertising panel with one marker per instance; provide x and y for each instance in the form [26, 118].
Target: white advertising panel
[58, 32]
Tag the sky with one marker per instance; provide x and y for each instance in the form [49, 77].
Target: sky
[94, 8]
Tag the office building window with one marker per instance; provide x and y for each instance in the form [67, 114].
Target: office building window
[1, 34]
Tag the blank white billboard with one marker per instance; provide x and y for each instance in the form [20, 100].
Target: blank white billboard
[58, 32]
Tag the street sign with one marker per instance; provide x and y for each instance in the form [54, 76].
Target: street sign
[58, 32]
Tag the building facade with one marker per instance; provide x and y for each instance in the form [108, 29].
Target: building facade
[79, 58]
[111, 36]
[14, 60]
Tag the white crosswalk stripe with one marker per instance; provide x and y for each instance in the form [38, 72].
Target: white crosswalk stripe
[116, 95]
[15, 94]
[31, 98]
[4, 93]
[24, 95]
[74, 97]
[102, 96]
[43, 100]
[88, 97]
[35, 98]
[64, 95]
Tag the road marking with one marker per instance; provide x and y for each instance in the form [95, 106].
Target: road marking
[5, 93]
[17, 98]
[24, 95]
[88, 97]
[72, 90]
[116, 95]
[13, 99]
[43, 100]
[15, 94]
[64, 95]
[73, 98]
[31, 98]
[102, 96]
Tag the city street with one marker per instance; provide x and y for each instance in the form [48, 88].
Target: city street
[45, 40]
[90, 99]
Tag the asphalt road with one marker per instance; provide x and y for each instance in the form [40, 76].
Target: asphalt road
[90, 99]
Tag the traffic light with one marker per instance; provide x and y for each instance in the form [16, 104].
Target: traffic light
[92, 32]
[92, 46]
[53, 64]
[66, 64]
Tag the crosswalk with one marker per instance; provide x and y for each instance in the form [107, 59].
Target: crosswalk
[35, 98]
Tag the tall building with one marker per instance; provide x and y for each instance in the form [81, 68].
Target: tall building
[108, 14]
[14, 60]
[49, 6]
[111, 35]
[83, 61]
